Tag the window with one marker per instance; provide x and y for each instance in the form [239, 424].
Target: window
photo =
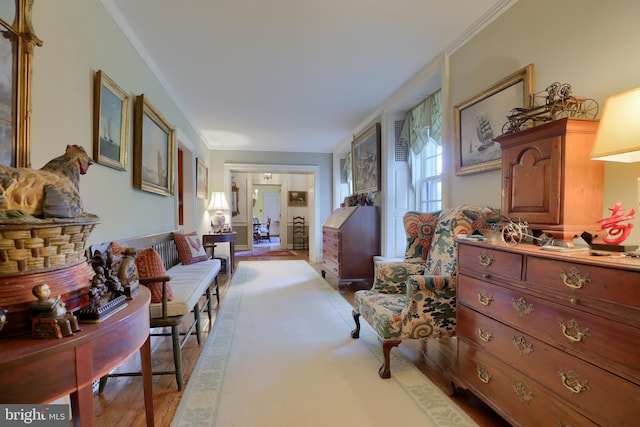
[426, 153]
[429, 182]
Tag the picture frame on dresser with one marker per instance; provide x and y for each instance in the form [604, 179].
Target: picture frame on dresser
[153, 149]
[365, 154]
[480, 119]
[110, 122]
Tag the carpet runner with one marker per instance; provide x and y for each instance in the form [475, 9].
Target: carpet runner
[280, 354]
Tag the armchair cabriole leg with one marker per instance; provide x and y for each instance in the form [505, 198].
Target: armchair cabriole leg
[385, 369]
[356, 318]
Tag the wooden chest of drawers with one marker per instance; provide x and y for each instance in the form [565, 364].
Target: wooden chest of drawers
[549, 338]
[350, 240]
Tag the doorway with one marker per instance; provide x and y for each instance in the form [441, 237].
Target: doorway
[267, 210]
[312, 171]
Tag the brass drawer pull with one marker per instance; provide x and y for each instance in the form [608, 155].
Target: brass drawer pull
[485, 258]
[520, 389]
[522, 345]
[521, 307]
[572, 331]
[484, 298]
[483, 374]
[572, 382]
[573, 279]
[485, 335]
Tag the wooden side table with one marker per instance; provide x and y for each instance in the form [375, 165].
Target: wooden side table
[41, 371]
[209, 241]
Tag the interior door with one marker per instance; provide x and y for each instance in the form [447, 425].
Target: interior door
[272, 210]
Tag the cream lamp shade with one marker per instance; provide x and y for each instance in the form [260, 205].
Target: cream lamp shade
[219, 204]
[618, 136]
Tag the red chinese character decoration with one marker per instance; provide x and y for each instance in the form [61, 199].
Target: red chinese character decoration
[616, 232]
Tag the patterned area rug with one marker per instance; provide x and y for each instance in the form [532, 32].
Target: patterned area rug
[265, 253]
[280, 354]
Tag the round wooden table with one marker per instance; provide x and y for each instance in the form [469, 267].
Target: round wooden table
[34, 371]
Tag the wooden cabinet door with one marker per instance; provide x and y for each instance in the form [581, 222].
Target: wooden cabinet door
[531, 181]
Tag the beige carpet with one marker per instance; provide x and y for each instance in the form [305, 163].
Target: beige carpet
[280, 354]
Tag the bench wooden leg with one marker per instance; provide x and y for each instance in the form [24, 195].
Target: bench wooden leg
[196, 315]
[177, 354]
[217, 289]
[209, 311]
[103, 383]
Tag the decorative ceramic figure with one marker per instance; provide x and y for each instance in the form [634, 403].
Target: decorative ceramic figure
[50, 318]
[50, 192]
[616, 232]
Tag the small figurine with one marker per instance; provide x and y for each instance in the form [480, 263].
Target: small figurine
[106, 294]
[50, 317]
[128, 272]
[3, 317]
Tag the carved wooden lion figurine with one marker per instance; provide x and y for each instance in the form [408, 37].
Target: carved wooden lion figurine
[50, 192]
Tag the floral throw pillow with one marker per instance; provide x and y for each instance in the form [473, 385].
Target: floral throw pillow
[419, 228]
[189, 248]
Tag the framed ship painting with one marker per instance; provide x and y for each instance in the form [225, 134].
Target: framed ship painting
[153, 149]
[110, 119]
[480, 119]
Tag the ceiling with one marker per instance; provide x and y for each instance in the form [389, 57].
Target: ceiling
[290, 75]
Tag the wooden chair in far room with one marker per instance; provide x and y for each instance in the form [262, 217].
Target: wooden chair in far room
[264, 230]
[256, 229]
[300, 239]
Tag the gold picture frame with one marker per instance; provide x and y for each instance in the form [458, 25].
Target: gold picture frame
[365, 155]
[297, 198]
[110, 122]
[17, 47]
[480, 118]
[202, 180]
[153, 149]
[235, 209]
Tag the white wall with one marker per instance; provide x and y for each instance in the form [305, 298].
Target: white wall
[589, 44]
[80, 37]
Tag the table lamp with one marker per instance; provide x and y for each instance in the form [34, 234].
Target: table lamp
[219, 204]
[618, 136]
[618, 140]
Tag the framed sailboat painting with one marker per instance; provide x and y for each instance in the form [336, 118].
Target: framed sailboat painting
[110, 119]
[480, 119]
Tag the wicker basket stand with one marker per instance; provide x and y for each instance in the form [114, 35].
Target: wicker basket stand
[51, 251]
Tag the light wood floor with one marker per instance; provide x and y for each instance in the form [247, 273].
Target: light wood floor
[122, 403]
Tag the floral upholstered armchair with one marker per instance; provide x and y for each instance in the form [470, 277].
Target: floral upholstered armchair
[415, 298]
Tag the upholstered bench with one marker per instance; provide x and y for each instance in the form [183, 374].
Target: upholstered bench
[178, 289]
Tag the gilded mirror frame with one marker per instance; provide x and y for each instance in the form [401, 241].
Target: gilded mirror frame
[15, 138]
[235, 210]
